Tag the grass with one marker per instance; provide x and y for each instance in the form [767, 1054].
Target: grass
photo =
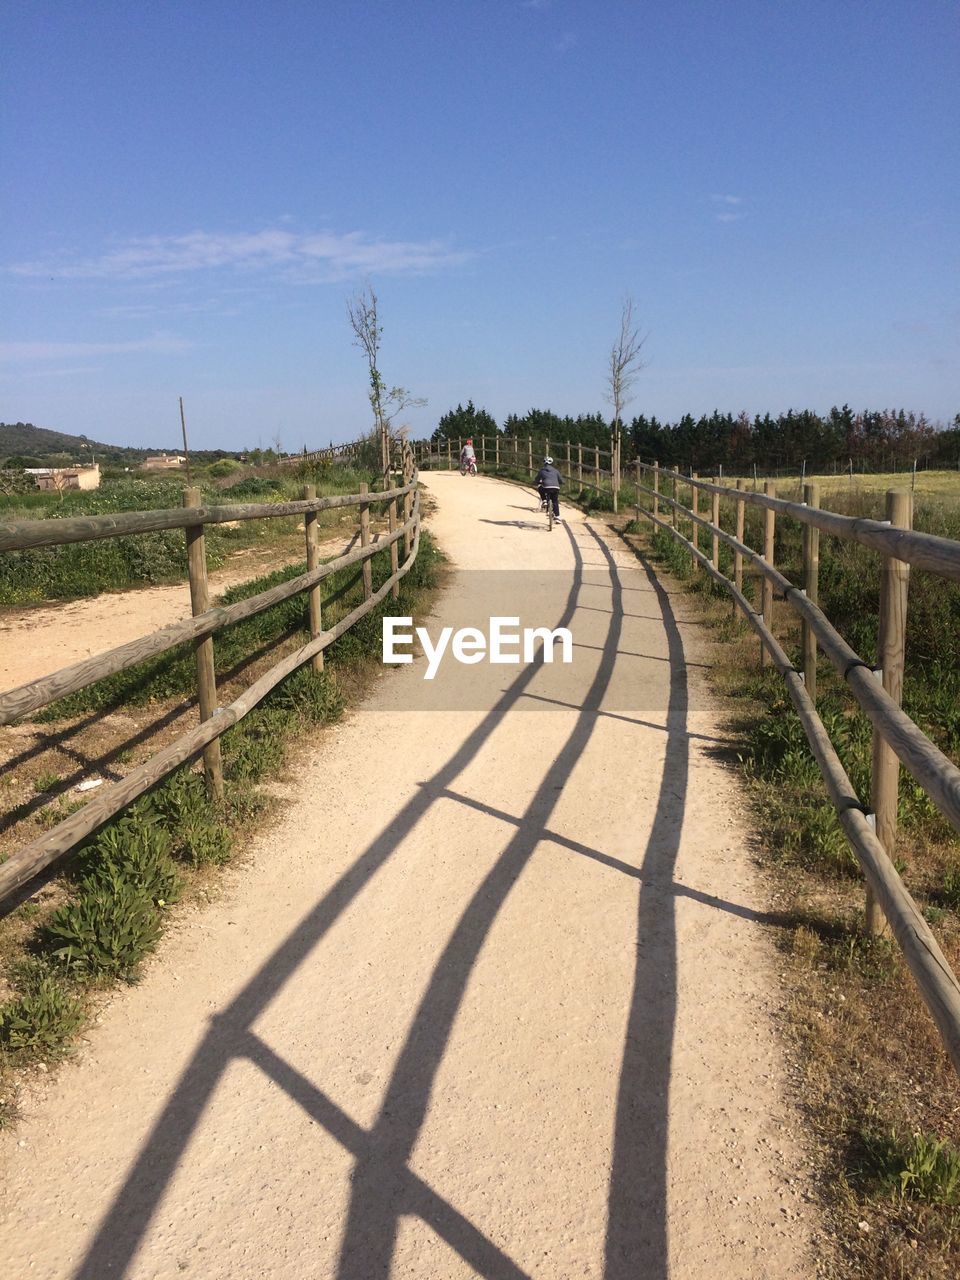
[83, 569]
[929, 484]
[877, 1089]
[96, 923]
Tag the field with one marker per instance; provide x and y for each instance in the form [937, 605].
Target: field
[929, 484]
[87, 568]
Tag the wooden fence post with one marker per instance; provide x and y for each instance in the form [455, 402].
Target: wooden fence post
[596, 466]
[496, 445]
[656, 488]
[569, 469]
[309, 492]
[580, 463]
[737, 555]
[676, 492]
[695, 508]
[894, 581]
[365, 542]
[408, 470]
[530, 453]
[715, 520]
[483, 451]
[811, 585]
[206, 676]
[769, 533]
[449, 455]
[394, 549]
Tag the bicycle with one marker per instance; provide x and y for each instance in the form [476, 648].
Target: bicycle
[468, 468]
[546, 504]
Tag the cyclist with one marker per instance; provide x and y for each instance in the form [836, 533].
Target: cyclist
[468, 458]
[548, 486]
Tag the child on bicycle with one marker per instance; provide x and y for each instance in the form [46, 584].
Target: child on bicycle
[548, 486]
[468, 458]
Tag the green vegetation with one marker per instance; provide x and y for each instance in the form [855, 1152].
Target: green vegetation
[876, 1087]
[109, 564]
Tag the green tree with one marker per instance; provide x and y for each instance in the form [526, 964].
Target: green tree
[461, 422]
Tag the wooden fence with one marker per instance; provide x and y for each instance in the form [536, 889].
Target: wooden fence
[403, 512]
[578, 463]
[871, 829]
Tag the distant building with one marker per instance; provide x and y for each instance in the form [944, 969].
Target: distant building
[163, 462]
[60, 478]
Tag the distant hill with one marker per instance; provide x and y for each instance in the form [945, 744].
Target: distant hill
[23, 440]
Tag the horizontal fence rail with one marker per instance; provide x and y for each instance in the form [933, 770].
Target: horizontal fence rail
[922, 550]
[403, 508]
[29, 534]
[894, 731]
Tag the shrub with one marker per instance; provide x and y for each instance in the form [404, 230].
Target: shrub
[107, 929]
[43, 1016]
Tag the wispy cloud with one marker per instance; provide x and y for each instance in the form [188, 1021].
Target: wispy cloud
[320, 256]
[730, 210]
[19, 351]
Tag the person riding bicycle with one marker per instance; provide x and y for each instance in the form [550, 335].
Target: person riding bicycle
[548, 486]
[468, 457]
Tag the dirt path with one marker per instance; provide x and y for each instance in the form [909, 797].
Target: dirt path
[493, 999]
[41, 639]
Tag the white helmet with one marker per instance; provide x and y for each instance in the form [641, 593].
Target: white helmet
[548, 462]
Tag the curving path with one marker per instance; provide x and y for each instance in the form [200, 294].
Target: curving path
[496, 997]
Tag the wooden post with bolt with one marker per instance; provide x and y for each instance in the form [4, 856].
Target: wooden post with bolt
[203, 648]
[309, 492]
[715, 521]
[695, 508]
[769, 535]
[811, 586]
[737, 556]
[408, 470]
[365, 542]
[891, 642]
[394, 549]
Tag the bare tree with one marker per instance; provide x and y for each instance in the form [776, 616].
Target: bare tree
[59, 481]
[625, 365]
[385, 402]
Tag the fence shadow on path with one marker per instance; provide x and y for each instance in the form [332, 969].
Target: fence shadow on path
[383, 1187]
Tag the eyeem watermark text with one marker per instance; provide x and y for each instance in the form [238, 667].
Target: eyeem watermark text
[503, 644]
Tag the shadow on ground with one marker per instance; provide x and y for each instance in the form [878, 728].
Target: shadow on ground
[384, 1187]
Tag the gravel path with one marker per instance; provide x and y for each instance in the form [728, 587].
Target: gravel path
[495, 997]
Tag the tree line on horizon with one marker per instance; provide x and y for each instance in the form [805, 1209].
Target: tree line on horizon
[874, 440]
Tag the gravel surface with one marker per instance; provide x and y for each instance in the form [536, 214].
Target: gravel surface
[494, 997]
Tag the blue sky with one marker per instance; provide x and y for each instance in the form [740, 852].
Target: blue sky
[193, 191]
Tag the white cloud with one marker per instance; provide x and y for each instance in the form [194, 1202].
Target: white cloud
[730, 217]
[322, 256]
[18, 351]
[727, 199]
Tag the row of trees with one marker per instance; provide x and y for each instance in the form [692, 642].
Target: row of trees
[872, 440]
